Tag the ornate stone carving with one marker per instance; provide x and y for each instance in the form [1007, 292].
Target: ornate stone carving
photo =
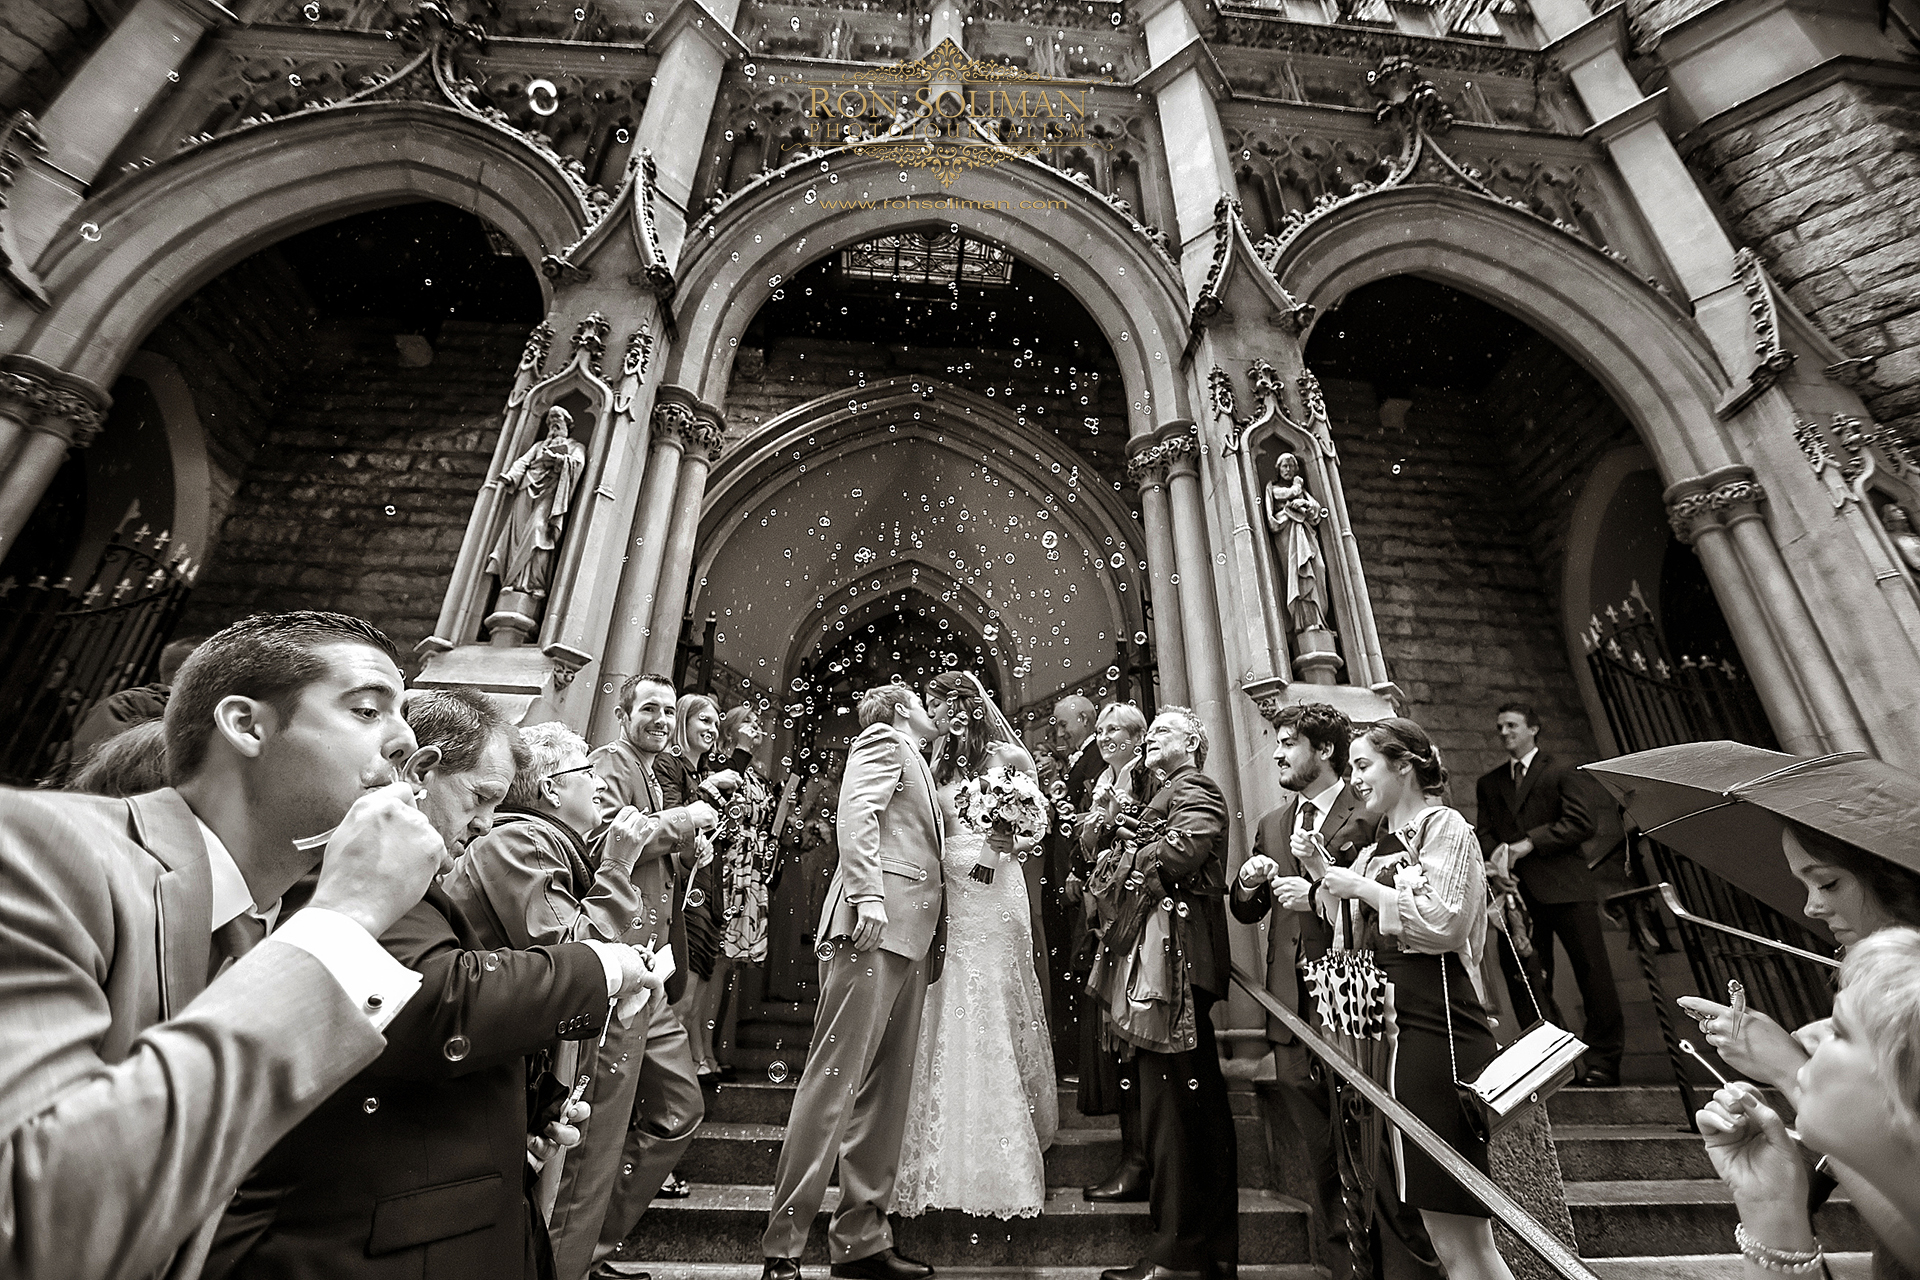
[1251, 29]
[1846, 455]
[533, 358]
[1411, 105]
[639, 357]
[43, 398]
[1711, 501]
[590, 340]
[440, 49]
[20, 139]
[565, 663]
[672, 419]
[1773, 357]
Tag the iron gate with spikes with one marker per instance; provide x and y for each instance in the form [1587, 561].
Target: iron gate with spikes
[66, 645]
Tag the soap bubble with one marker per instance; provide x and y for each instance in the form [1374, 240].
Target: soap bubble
[777, 1072]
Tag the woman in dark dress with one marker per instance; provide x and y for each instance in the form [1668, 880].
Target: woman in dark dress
[1418, 901]
[695, 759]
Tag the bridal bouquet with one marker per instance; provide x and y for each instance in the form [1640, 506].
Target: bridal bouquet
[1004, 801]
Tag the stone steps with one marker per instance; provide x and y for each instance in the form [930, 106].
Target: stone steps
[722, 1223]
[1641, 1190]
[723, 1152]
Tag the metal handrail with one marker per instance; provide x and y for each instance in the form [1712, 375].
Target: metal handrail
[1523, 1224]
[1671, 896]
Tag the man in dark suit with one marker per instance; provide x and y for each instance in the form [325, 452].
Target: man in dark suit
[1312, 761]
[135, 1094]
[1062, 921]
[417, 1168]
[1194, 1205]
[1532, 822]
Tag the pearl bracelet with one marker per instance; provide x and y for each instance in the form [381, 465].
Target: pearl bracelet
[1788, 1262]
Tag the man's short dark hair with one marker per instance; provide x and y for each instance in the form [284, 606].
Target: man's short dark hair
[1321, 725]
[270, 657]
[461, 722]
[176, 653]
[632, 683]
[880, 706]
[1522, 709]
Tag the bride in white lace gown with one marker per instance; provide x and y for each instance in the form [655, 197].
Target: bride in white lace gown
[983, 1106]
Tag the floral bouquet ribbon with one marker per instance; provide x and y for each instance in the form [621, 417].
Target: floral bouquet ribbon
[1007, 802]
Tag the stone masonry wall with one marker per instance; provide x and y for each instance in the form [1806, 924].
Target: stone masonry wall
[237, 342]
[359, 496]
[1465, 613]
[42, 42]
[1827, 191]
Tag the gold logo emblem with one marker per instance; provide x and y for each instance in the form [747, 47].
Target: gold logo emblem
[946, 112]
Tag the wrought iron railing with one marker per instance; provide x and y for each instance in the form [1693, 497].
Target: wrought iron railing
[66, 645]
[1531, 1231]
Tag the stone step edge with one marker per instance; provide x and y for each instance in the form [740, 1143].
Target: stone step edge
[751, 1271]
[1695, 1266]
[1060, 1202]
[744, 1131]
[1666, 1191]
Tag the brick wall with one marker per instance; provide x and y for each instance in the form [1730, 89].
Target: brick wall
[1828, 192]
[1466, 613]
[42, 42]
[358, 497]
[237, 343]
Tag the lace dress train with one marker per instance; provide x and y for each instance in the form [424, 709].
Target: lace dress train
[984, 1104]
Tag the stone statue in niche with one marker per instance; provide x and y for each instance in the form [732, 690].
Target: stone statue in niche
[1900, 529]
[1294, 516]
[541, 483]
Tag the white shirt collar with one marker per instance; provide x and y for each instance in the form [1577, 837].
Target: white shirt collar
[1526, 761]
[1324, 801]
[230, 893]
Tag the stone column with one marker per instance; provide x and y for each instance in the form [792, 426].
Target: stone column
[1149, 472]
[43, 413]
[700, 451]
[633, 601]
[115, 90]
[1199, 612]
[1187, 85]
[694, 49]
[1706, 511]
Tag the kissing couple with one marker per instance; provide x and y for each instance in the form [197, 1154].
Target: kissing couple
[912, 1083]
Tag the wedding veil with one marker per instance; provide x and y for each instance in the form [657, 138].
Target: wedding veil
[996, 726]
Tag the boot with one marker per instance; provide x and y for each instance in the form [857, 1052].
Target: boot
[1129, 1182]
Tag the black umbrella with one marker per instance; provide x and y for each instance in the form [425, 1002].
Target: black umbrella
[1723, 804]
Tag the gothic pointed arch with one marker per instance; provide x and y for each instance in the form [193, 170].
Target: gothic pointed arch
[737, 256]
[161, 233]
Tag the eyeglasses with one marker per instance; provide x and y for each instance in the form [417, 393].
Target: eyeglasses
[579, 768]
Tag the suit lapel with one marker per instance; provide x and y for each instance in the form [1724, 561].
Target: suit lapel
[1337, 818]
[183, 894]
[1526, 782]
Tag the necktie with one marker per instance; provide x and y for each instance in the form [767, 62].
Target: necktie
[1519, 772]
[234, 939]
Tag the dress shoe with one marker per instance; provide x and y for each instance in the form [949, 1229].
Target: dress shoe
[1600, 1078]
[781, 1269]
[1126, 1186]
[884, 1265]
[620, 1271]
[1145, 1270]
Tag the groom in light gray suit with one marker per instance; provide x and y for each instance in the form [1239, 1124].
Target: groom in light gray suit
[881, 940]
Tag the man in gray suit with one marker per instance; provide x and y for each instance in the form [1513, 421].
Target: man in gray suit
[883, 937]
[137, 1088]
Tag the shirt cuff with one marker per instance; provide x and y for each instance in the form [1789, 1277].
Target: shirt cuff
[1390, 913]
[858, 898]
[609, 961]
[377, 983]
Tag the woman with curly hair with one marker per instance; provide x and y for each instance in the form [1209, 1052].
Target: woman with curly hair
[1418, 900]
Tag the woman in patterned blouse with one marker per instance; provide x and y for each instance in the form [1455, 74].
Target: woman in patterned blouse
[1418, 900]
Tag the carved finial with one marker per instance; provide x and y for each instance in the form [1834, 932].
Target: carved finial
[591, 337]
[1407, 97]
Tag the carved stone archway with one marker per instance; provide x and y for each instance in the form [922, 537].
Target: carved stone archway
[736, 257]
[162, 233]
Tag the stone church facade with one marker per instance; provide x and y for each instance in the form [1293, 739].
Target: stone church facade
[1697, 218]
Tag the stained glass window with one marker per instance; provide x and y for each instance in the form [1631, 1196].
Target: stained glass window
[928, 258]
